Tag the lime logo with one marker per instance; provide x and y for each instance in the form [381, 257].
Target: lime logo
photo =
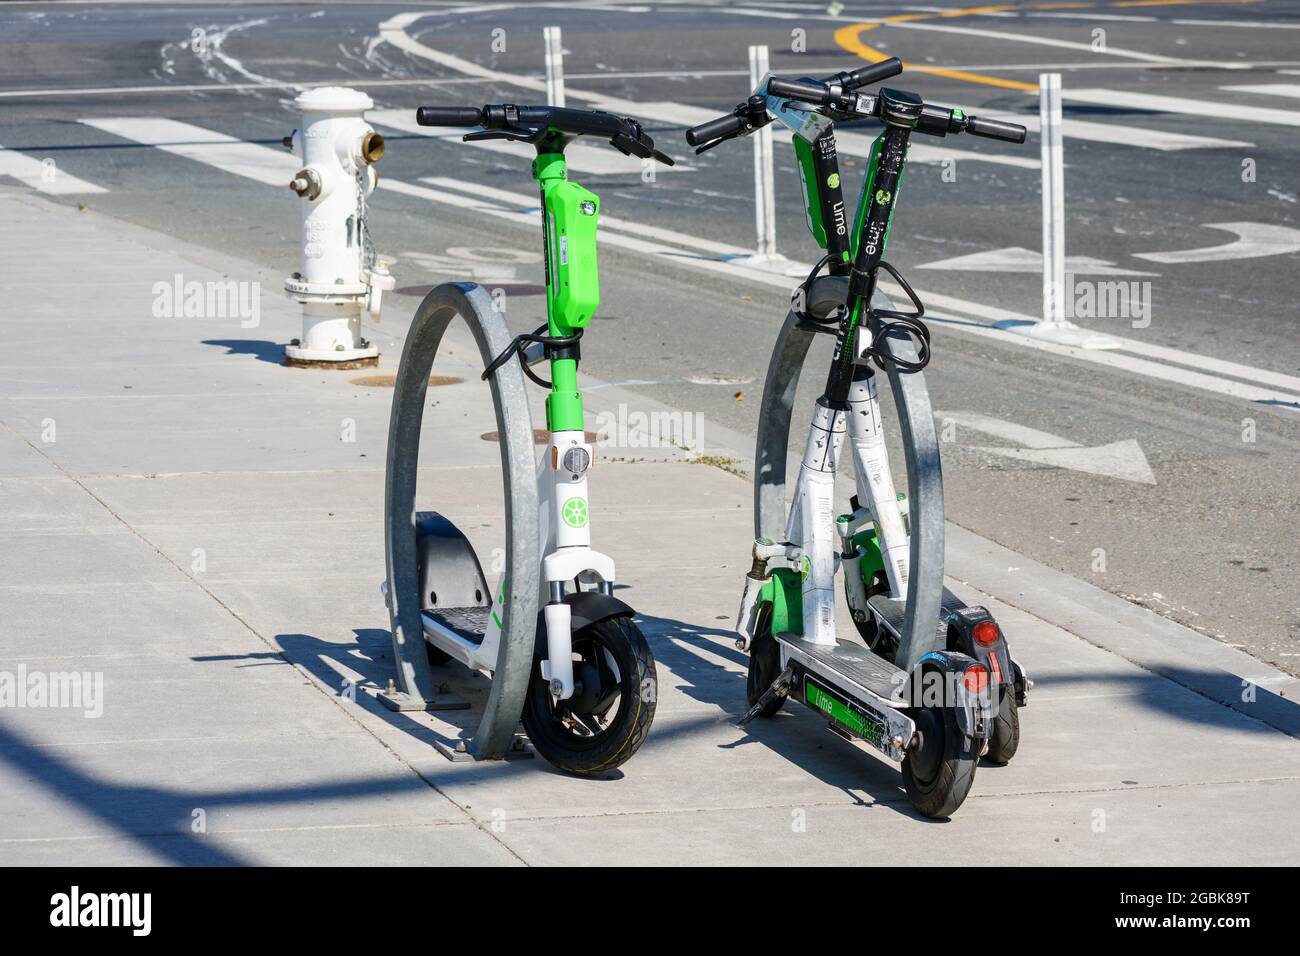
[833, 180]
[804, 567]
[883, 197]
[574, 512]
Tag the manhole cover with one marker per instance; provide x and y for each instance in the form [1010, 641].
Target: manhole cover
[540, 436]
[389, 380]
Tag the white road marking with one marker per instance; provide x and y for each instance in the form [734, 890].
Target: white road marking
[531, 204]
[597, 160]
[266, 165]
[1268, 89]
[1107, 50]
[47, 178]
[1019, 259]
[1091, 16]
[393, 31]
[1121, 459]
[1254, 240]
[965, 317]
[260, 163]
[1121, 135]
[1206, 108]
[1252, 24]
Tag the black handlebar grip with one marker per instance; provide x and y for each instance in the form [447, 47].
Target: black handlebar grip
[719, 128]
[803, 92]
[449, 116]
[996, 129]
[875, 73]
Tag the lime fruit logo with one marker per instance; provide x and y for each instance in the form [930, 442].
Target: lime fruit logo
[574, 512]
[833, 180]
[883, 197]
[804, 567]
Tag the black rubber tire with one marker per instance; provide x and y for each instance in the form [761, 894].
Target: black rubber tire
[868, 630]
[436, 656]
[764, 663]
[1005, 739]
[938, 779]
[637, 687]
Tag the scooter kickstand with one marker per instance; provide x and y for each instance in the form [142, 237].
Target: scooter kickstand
[780, 688]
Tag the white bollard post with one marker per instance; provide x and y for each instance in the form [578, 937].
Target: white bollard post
[1053, 158]
[554, 66]
[339, 277]
[765, 256]
[764, 191]
[1054, 326]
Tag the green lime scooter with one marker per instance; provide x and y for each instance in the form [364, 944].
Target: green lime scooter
[935, 686]
[587, 693]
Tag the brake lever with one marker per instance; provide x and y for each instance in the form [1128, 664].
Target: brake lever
[516, 134]
[642, 148]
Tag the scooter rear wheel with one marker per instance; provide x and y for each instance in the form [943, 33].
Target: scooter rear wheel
[938, 774]
[1005, 739]
[608, 717]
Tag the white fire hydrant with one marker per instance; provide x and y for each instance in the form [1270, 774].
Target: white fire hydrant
[340, 275]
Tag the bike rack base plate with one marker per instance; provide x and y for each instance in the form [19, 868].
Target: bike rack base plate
[398, 701]
[460, 751]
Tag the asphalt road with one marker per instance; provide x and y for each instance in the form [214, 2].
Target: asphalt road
[1210, 540]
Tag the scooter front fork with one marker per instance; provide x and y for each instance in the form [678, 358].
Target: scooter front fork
[875, 481]
[757, 578]
[559, 643]
[812, 522]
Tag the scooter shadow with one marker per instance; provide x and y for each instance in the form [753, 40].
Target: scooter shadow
[700, 657]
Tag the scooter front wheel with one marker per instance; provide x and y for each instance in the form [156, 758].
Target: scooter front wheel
[764, 663]
[609, 715]
[939, 770]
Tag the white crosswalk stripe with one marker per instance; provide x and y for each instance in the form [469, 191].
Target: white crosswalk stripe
[43, 175]
[1268, 89]
[1176, 104]
[272, 167]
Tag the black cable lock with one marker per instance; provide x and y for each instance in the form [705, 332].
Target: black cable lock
[556, 346]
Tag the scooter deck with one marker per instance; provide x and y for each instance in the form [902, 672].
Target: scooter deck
[892, 612]
[467, 623]
[852, 664]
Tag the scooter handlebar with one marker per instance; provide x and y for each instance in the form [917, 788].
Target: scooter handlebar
[875, 73]
[449, 116]
[995, 129]
[719, 128]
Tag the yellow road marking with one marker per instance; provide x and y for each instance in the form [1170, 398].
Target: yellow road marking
[850, 37]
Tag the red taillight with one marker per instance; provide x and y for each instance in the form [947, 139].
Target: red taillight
[986, 633]
[976, 679]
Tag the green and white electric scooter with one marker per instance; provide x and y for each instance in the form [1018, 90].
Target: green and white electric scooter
[590, 692]
[934, 686]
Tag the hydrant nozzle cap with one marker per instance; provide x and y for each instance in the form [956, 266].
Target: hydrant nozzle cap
[372, 147]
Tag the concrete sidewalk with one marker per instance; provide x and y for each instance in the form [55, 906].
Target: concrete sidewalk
[202, 527]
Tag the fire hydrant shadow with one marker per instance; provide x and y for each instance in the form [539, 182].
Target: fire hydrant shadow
[272, 352]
